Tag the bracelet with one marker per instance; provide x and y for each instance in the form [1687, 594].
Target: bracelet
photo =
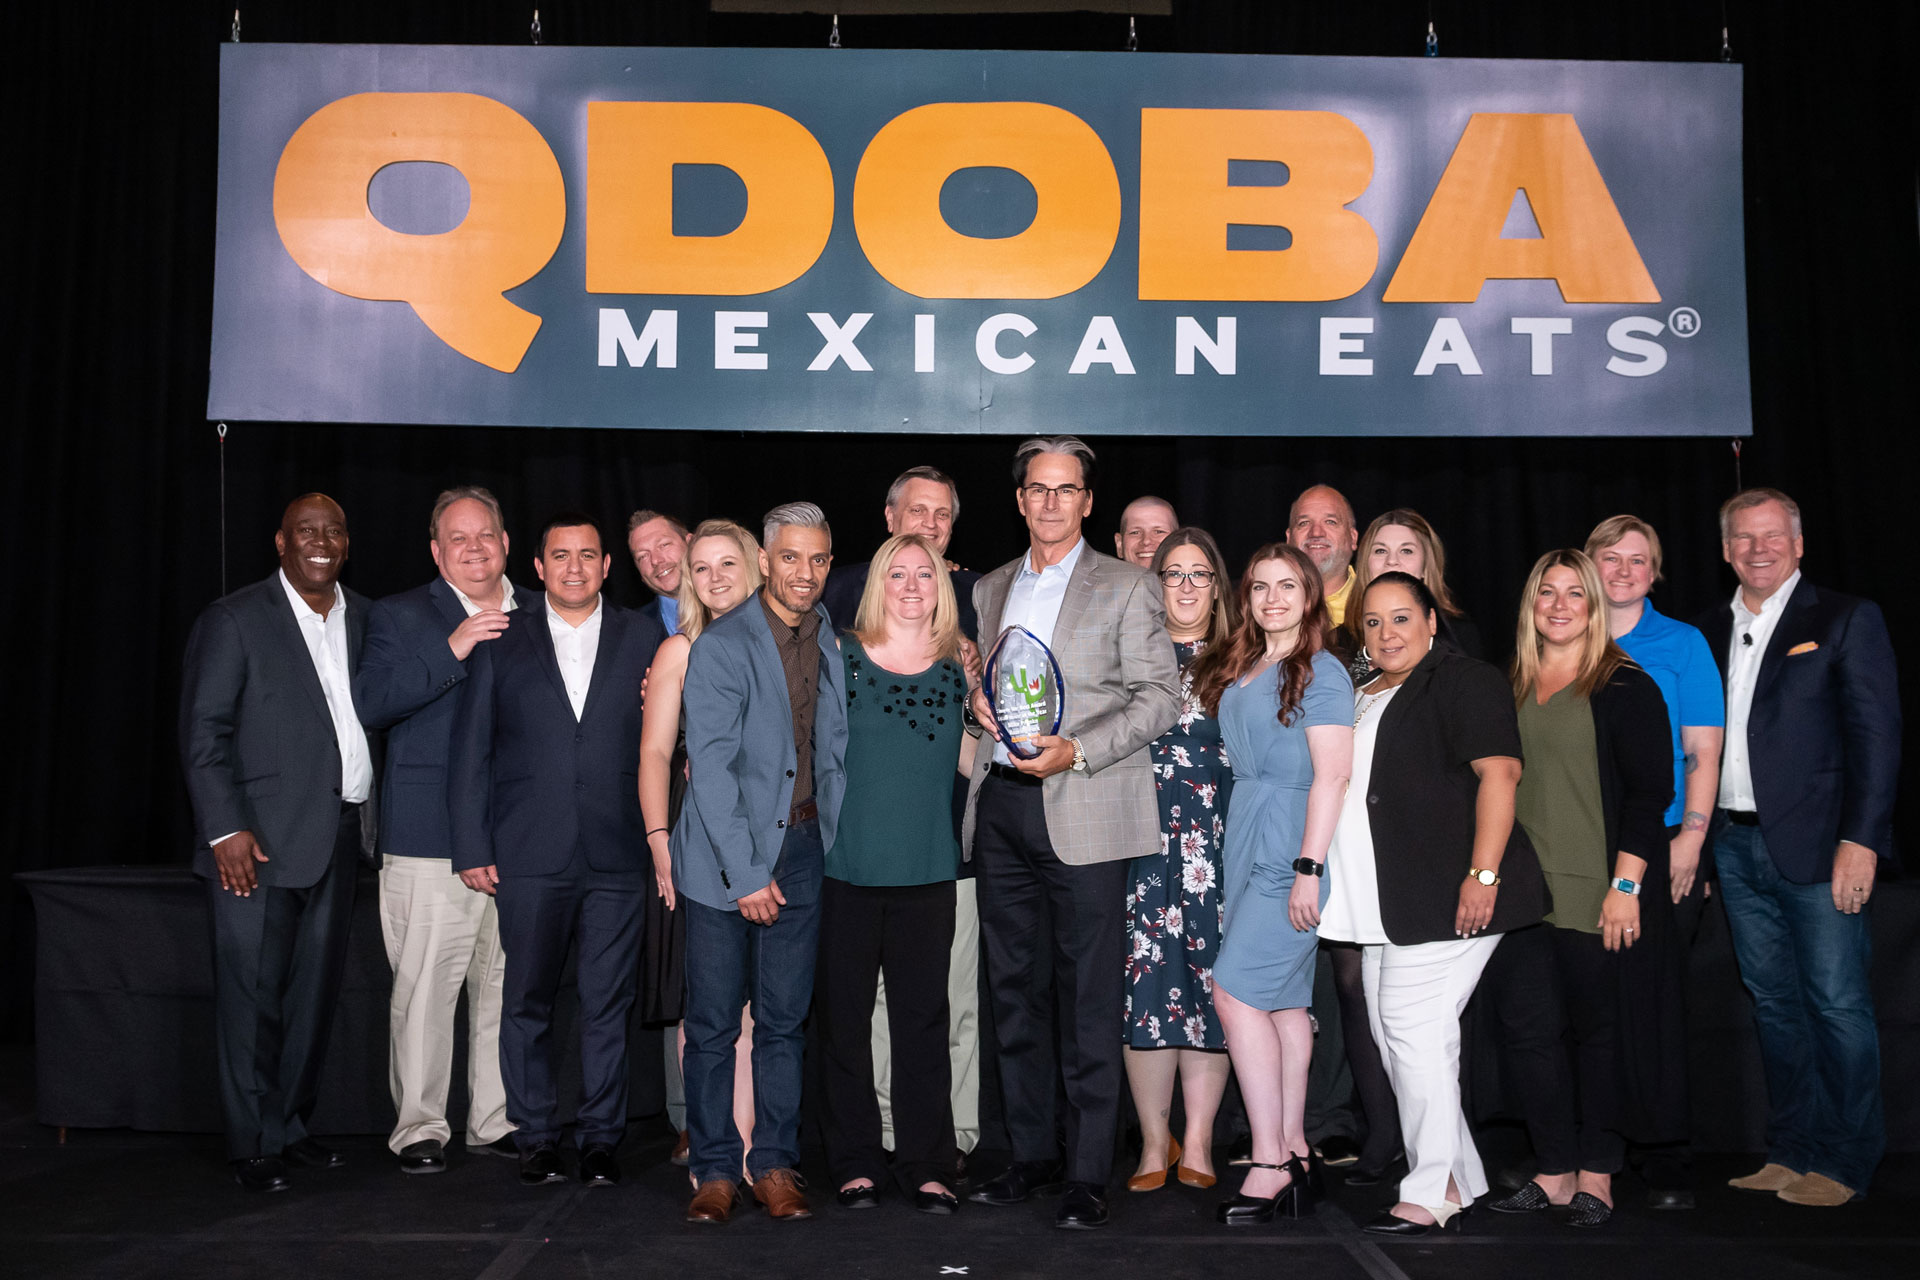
[657, 830]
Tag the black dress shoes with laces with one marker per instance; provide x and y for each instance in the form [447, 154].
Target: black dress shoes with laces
[598, 1168]
[540, 1165]
[265, 1173]
[502, 1148]
[424, 1156]
[1023, 1178]
[309, 1154]
[1082, 1208]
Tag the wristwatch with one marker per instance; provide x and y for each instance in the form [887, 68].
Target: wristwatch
[1485, 877]
[1308, 867]
[1629, 887]
[1079, 756]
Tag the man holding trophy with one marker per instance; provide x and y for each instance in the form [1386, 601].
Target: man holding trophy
[1080, 679]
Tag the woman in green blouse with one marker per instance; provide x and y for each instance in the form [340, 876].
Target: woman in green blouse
[887, 904]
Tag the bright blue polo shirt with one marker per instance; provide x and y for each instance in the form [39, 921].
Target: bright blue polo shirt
[1677, 657]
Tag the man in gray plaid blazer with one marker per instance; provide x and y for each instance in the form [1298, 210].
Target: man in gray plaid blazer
[1050, 837]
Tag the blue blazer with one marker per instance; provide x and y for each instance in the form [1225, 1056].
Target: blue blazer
[528, 786]
[741, 759]
[403, 685]
[1823, 734]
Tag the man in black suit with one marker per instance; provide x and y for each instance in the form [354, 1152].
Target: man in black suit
[279, 772]
[1807, 783]
[657, 542]
[545, 803]
[440, 937]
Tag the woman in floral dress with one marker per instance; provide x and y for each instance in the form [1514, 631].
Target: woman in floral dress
[1173, 897]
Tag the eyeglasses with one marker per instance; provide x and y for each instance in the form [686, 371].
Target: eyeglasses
[1202, 578]
[1039, 493]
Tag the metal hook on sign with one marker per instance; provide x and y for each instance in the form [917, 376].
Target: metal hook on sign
[1726, 46]
[1433, 41]
[533, 33]
[1737, 485]
[1133, 36]
[234, 34]
[833, 36]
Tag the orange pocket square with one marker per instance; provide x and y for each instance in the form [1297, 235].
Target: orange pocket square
[1808, 647]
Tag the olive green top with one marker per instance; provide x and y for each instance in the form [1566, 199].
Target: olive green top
[1559, 805]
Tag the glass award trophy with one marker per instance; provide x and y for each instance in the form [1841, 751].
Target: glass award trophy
[1024, 689]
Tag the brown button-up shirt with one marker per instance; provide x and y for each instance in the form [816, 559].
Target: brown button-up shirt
[800, 659]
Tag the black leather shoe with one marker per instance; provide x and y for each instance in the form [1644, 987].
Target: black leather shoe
[503, 1148]
[540, 1164]
[1245, 1211]
[424, 1156]
[1365, 1174]
[942, 1203]
[1669, 1197]
[1338, 1151]
[1082, 1208]
[309, 1154]
[1023, 1178]
[266, 1173]
[857, 1197]
[598, 1168]
[1388, 1224]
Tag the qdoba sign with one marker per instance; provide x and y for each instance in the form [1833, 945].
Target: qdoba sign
[984, 242]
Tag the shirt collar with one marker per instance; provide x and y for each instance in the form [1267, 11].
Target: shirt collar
[300, 606]
[1772, 604]
[808, 625]
[1338, 599]
[508, 600]
[1649, 620]
[558, 623]
[1065, 564]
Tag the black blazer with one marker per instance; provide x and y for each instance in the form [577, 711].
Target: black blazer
[527, 784]
[1634, 742]
[1823, 733]
[1451, 710]
[403, 685]
[256, 739]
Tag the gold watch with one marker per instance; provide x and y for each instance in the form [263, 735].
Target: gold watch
[1487, 878]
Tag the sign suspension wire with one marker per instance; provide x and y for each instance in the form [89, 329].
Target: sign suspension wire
[833, 37]
[221, 431]
[1433, 38]
[1737, 485]
[1726, 44]
[1133, 36]
[234, 34]
[533, 32]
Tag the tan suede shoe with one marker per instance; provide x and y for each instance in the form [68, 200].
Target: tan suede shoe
[1816, 1189]
[714, 1201]
[780, 1190]
[1771, 1177]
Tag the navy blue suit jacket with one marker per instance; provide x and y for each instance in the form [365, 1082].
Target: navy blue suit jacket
[404, 685]
[1823, 734]
[528, 786]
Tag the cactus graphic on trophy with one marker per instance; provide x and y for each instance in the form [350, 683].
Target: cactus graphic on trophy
[1024, 686]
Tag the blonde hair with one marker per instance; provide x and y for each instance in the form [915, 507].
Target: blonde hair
[870, 622]
[1613, 528]
[694, 614]
[1600, 657]
[1433, 556]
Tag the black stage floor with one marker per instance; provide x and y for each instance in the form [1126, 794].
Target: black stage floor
[114, 1204]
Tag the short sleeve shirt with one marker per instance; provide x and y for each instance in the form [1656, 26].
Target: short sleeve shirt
[1677, 657]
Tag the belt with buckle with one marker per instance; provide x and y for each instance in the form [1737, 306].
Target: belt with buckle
[1008, 773]
[802, 812]
[1742, 817]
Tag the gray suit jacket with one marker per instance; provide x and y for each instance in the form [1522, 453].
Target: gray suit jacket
[740, 756]
[1122, 685]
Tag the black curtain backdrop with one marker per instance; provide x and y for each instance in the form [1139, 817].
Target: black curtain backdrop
[113, 510]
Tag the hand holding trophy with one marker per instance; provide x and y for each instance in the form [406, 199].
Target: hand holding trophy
[1023, 687]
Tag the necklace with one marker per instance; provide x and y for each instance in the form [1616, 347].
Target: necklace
[1368, 701]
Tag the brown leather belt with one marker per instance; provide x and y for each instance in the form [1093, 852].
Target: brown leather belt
[802, 812]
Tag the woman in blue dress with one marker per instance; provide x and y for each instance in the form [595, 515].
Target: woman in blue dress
[1285, 707]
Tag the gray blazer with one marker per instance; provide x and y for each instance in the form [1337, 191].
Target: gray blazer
[1122, 685]
[740, 756]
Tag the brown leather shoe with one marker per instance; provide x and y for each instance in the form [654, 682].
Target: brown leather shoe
[1770, 1177]
[714, 1202]
[783, 1192]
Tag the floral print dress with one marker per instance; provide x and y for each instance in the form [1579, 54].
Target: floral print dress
[1173, 897]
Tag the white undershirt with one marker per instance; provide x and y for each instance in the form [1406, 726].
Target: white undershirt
[1353, 893]
[575, 648]
[1743, 673]
[326, 639]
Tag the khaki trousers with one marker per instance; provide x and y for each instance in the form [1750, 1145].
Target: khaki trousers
[963, 1028]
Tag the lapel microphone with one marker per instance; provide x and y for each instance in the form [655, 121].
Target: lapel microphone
[1746, 638]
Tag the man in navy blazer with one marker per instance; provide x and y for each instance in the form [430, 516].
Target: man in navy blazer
[1807, 784]
[766, 717]
[440, 937]
[279, 771]
[543, 793]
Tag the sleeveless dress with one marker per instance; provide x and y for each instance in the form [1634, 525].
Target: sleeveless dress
[1264, 961]
[1174, 902]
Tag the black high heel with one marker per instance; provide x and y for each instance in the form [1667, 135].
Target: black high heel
[1246, 1211]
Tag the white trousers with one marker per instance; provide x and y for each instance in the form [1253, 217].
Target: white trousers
[963, 1027]
[441, 936]
[1414, 999]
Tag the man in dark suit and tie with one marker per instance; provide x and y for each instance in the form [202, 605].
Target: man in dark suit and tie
[440, 937]
[544, 797]
[1807, 784]
[279, 772]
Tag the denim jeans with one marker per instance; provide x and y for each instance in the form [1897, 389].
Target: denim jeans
[731, 960]
[1806, 964]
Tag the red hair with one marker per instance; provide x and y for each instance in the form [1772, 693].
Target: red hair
[1223, 663]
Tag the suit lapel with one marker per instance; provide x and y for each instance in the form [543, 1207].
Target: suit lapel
[281, 619]
[1787, 633]
[549, 660]
[446, 602]
[998, 584]
[613, 629]
[1079, 593]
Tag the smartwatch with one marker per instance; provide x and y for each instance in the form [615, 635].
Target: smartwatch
[1308, 867]
[1629, 887]
[1487, 878]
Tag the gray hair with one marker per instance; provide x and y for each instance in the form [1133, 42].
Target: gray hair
[1072, 446]
[933, 474]
[802, 515]
[464, 493]
[1747, 499]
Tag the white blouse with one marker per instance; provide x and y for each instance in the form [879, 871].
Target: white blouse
[1353, 899]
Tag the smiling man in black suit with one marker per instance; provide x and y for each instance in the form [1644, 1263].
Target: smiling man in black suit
[280, 774]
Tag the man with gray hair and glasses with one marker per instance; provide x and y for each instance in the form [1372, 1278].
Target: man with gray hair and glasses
[766, 710]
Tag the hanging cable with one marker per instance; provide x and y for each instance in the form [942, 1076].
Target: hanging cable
[1737, 485]
[221, 431]
[833, 37]
[1133, 36]
[534, 33]
[234, 35]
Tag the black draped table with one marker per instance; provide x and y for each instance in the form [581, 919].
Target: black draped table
[123, 1011]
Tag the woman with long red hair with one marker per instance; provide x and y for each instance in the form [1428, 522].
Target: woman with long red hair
[1285, 707]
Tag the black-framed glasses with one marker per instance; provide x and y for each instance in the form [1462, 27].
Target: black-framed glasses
[1202, 578]
[1039, 493]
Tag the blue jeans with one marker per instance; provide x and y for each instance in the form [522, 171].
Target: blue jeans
[1806, 964]
[731, 960]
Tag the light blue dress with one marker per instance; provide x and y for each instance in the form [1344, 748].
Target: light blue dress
[1264, 961]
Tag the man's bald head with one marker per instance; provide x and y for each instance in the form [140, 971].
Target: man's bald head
[1144, 524]
[1321, 523]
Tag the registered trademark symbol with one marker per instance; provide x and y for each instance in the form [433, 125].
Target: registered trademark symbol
[1685, 322]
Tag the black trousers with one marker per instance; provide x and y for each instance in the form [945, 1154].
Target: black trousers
[1556, 1001]
[1055, 949]
[277, 959]
[1370, 1081]
[906, 932]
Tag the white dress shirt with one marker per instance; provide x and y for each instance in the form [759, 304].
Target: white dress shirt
[1033, 602]
[575, 648]
[326, 639]
[508, 601]
[1743, 672]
